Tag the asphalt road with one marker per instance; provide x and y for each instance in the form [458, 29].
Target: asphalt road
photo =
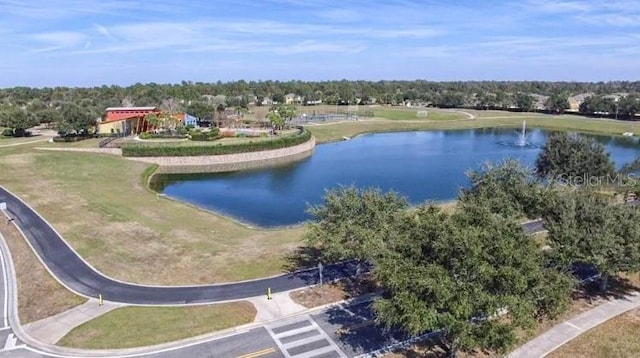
[79, 276]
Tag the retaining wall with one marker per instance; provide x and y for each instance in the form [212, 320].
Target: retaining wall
[229, 162]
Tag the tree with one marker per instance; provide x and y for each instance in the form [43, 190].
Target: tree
[278, 97]
[574, 159]
[75, 119]
[557, 103]
[508, 189]
[279, 113]
[170, 105]
[201, 110]
[457, 273]
[597, 104]
[220, 111]
[277, 122]
[48, 116]
[629, 106]
[353, 223]
[524, 102]
[17, 119]
[583, 227]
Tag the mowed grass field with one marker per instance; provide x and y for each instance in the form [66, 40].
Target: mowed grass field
[327, 132]
[102, 208]
[129, 327]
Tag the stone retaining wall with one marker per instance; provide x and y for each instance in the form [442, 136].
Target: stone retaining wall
[229, 162]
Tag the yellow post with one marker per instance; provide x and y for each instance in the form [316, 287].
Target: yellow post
[100, 299]
[268, 293]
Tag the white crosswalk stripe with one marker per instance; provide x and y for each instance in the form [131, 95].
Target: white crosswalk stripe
[303, 338]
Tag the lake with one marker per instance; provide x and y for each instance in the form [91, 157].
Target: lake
[427, 165]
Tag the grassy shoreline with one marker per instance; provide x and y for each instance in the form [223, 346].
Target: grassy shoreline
[326, 133]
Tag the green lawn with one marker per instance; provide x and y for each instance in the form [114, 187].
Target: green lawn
[7, 141]
[99, 204]
[130, 327]
[412, 114]
[332, 132]
[87, 143]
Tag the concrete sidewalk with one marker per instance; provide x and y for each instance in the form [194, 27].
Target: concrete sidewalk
[568, 330]
[279, 306]
[50, 330]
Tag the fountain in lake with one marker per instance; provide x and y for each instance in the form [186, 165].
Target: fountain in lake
[522, 140]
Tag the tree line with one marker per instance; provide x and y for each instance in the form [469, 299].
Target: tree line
[473, 274]
[460, 93]
[208, 101]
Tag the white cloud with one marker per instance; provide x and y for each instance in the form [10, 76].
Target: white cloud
[59, 39]
[104, 31]
[561, 7]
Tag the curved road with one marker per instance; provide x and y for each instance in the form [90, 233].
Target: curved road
[77, 275]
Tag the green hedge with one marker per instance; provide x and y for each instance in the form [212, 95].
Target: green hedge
[150, 135]
[68, 139]
[184, 151]
[197, 135]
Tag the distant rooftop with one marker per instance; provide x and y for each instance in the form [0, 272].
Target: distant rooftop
[130, 108]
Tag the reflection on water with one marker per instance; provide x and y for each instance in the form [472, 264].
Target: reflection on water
[420, 165]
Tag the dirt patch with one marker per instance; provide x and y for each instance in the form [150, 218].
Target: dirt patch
[333, 292]
[39, 295]
[319, 295]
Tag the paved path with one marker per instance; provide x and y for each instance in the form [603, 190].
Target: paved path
[280, 305]
[568, 330]
[51, 330]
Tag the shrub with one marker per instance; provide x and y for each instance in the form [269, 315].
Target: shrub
[7, 132]
[67, 139]
[162, 135]
[197, 135]
[182, 151]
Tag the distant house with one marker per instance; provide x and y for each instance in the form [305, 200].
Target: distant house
[576, 100]
[126, 120]
[186, 119]
[313, 103]
[267, 101]
[539, 101]
[190, 120]
[291, 98]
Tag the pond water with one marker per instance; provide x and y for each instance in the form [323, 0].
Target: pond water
[422, 166]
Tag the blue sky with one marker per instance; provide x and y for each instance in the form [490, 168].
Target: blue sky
[96, 42]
